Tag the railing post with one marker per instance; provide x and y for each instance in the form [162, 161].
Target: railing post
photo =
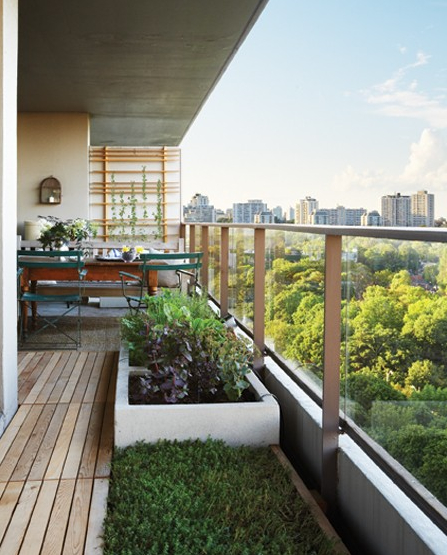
[192, 238]
[259, 297]
[331, 369]
[224, 273]
[206, 259]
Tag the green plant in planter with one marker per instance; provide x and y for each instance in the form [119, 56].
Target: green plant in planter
[56, 233]
[191, 355]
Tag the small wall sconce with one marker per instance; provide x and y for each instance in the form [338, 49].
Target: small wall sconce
[50, 191]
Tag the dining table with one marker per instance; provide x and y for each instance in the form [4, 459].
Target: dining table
[99, 269]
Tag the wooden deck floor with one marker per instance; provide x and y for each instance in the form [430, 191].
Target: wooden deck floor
[55, 454]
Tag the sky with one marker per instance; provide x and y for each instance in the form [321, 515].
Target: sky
[344, 101]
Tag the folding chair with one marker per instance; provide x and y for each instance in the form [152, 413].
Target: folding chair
[188, 263]
[48, 266]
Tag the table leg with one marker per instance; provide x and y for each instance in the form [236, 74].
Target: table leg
[152, 282]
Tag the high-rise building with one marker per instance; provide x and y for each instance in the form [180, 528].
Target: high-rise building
[396, 210]
[372, 218]
[244, 212]
[337, 216]
[304, 209]
[278, 214]
[199, 210]
[423, 209]
[266, 217]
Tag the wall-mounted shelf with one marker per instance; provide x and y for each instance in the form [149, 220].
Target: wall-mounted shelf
[50, 191]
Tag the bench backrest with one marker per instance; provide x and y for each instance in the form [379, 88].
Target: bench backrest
[50, 259]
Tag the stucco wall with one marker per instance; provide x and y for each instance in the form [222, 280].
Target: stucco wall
[52, 144]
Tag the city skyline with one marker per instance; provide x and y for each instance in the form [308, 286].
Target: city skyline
[310, 204]
[341, 101]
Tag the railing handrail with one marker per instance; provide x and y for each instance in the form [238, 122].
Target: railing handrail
[427, 234]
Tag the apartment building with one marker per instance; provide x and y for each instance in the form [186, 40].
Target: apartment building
[423, 209]
[304, 209]
[396, 210]
[245, 212]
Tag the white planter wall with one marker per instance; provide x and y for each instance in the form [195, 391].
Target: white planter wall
[251, 423]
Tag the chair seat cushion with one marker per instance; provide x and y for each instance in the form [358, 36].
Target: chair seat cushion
[168, 278]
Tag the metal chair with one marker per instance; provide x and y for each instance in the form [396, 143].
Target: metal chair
[50, 265]
[182, 263]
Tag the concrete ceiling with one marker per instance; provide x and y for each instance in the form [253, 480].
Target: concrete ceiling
[142, 69]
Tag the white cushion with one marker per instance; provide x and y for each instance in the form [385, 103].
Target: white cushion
[166, 278]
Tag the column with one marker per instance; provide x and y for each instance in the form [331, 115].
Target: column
[8, 207]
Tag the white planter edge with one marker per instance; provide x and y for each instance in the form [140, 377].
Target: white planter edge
[244, 423]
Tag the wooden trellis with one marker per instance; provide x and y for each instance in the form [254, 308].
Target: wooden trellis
[135, 193]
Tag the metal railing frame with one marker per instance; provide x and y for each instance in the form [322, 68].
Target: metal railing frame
[330, 401]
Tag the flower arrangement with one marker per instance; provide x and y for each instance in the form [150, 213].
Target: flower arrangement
[137, 249]
[129, 253]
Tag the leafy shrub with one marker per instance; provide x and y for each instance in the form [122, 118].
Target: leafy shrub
[190, 354]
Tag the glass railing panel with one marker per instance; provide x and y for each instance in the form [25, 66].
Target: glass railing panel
[394, 356]
[214, 249]
[198, 238]
[294, 300]
[241, 275]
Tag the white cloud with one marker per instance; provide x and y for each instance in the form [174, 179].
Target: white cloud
[398, 97]
[427, 164]
[426, 168]
[352, 180]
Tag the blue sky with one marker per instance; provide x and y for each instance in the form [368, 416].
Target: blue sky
[341, 100]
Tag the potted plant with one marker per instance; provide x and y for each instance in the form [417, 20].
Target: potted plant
[56, 233]
[189, 377]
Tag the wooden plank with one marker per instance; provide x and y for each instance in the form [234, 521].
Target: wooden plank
[28, 381]
[64, 378]
[98, 508]
[20, 519]
[54, 538]
[31, 449]
[42, 459]
[60, 451]
[77, 525]
[26, 360]
[95, 376]
[103, 386]
[312, 504]
[40, 383]
[12, 430]
[79, 392]
[19, 443]
[106, 442]
[67, 443]
[91, 446]
[53, 378]
[8, 503]
[112, 383]
[74, 377]
[77, 443]
[41, 515]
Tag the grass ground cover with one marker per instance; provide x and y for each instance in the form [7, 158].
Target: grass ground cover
[191, 498]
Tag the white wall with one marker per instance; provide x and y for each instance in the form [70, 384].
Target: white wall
[54, 144]
[8, 180]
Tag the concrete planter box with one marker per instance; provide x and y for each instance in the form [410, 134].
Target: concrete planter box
[243, 423]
